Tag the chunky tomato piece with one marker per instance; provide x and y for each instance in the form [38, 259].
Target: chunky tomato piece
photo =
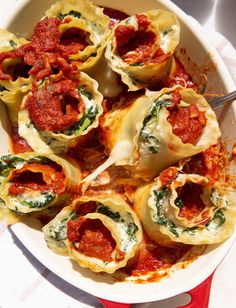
[91, 238]
[187, 123]
[56, 106]
[46, 35]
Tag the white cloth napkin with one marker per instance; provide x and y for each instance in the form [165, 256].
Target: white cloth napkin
[25, 282]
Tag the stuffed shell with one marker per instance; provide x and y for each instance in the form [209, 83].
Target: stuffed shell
[158, 129]
[185, 208]
[14, 78]
[101, 233]
[83, 31]
[32, 182]
[57, 112]
[140, 48]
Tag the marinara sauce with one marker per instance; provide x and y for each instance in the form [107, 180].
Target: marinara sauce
[37, 177]
[91, 238]
[188, 122]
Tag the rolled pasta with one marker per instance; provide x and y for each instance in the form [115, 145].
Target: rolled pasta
[32, 182]
[184, 208]
[14, 79]
[58, 112]
[100, 232]
[84, 29]
[159, 129]
[140, 48]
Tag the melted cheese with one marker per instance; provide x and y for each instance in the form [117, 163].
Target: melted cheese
[121, 151]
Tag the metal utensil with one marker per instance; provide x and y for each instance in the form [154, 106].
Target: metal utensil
[219, 101]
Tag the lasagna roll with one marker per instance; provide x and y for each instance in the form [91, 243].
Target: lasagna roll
[14, 78]
[83, 31]
[140, 48]
[57, 112]
[32, 182]
[185, 208]
[101, 233]
[158, 129]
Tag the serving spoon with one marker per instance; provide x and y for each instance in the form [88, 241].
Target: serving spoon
[219, 101]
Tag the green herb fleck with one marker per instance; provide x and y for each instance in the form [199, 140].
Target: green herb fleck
[137, 64]
[72, 13]
[166, 32]
[219, 215]
[43, 160]
[2, 88]
[160, 218]
[9, 162]
[83, 123]
[12, 43]
[149, 140]
[179, 203]
[132, 229]
[84, 92]
[106, 211]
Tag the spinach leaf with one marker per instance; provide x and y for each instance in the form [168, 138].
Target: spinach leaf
[9, 162]
[137, 64]
[72, 13]
[39, 159]
[2, 88]
[12, 43]
[45, 199]
[160, 217]
[131, 229]
[83, 123]
[58, 231]
[84, 92]
[220, 216]
[167, 32]
[106, 211]
[179, 203]
[150, 141]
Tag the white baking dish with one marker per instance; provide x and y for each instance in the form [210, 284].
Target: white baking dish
[194, 44]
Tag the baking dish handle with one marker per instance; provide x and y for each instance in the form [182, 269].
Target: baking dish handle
[200, 295]
[109, 304]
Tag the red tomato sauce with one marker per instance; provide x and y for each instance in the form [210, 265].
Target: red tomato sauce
[187, 123]
[154, 257]
[211, 163]
[85, 208]
[56, 106]
[47, 50]
[135, 46]
[37, 177]
[190, 195]
[93, 238]
[73, 40]
[19, 144]
[180, 77]
[167, 176]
